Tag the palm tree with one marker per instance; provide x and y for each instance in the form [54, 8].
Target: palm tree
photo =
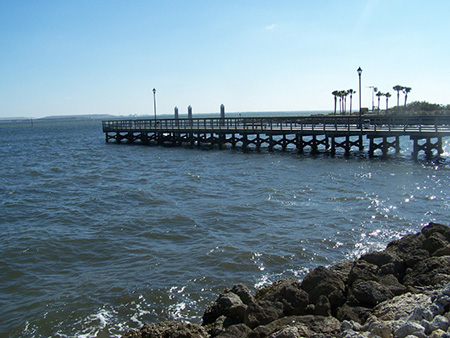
[406, 90]
[379, 94]
[398, 89]
[335, 93]
[351, 92]
[344, 101]
[388, 95]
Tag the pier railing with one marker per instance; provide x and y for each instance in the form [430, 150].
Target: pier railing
[424, 124]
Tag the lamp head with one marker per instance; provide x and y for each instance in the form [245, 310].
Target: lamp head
[359, 71]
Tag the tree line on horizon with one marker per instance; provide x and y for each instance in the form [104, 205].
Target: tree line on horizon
[342, 95]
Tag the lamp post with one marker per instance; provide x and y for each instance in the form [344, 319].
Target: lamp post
[154, 102]
[359, 70]
[373, 90]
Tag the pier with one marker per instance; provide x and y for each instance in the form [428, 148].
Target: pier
[303, 133]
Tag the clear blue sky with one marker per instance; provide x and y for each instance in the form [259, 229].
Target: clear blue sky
[105, 57]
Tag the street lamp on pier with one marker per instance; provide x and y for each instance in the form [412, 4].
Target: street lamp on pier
[359, 70]
[154, 102]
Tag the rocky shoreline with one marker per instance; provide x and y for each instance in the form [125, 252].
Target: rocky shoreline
[402, 291]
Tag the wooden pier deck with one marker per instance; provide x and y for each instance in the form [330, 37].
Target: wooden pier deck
[318, 133]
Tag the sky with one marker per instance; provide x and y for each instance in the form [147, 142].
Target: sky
[105, 57]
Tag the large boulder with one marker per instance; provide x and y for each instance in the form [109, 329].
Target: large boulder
[288, 292]
[387, 262]
[363, 270]
[353, 312]
[435, 242]
[321, 283]
[232, 303]
[409, 249]
[430, 271]
[400, 306]
[432, 228]
[370, 293]
[262, 312]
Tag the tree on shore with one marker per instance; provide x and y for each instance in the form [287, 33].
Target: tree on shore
[335, 94]
[351, 92]
[398, 89]
[344, 101]
[379, 94]
[388, 95]
[406, 90]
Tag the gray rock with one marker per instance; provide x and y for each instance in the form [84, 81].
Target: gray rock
[401, 306]
[410, 328]
[168, 329]
[380, 329]
[439, 322]
[286, 332]
[353, 334]
[421, 313]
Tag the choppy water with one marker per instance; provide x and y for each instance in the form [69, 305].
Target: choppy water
[97, 238]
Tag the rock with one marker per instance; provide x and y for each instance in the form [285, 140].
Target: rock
[352, 312]
[421, 313]
[287, 332]
[432, 228]
[168, 329]
[439, 322]
[435, 241]
[244, 293]
[342, 269]
[380, 329]
[363, 270]
[307, 326]
[410, 328]
[235, 331]
[262, 312]
[323, 282]
[288, 292]
[388, 263]
[437, 334]
[227, 304]
[370, 293]
[392, 284]
[352, 334]
[323, 306]
[430, 271]
[445, 251]
[400, 306]
[409, 249]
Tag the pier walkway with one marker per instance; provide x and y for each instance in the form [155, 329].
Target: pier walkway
[318, 133]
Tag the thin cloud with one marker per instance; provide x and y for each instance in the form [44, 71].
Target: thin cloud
[272, 26]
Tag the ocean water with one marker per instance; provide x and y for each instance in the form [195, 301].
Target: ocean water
[97, 238]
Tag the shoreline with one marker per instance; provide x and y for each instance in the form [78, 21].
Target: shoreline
[400, 291]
